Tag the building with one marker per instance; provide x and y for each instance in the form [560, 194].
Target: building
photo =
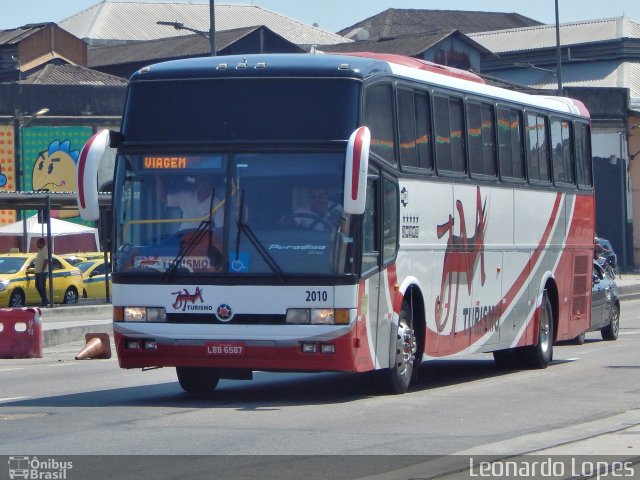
[115, 22]
[600, 65]
[395, 22]
[124, 59]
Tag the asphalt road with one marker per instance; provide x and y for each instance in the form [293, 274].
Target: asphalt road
[59, 406]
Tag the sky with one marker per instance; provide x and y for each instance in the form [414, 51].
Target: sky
[334, 15]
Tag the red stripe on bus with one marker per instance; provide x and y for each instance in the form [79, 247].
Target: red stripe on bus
[357, 153]
[82, 162]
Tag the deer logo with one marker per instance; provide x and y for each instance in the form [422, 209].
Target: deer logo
[460, 258]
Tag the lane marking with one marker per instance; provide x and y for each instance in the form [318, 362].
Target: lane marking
[10, 369]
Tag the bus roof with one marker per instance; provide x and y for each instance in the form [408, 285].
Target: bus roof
[356, 65]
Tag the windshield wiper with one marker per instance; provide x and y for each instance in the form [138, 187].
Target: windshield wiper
[243, 227]
[204, 228]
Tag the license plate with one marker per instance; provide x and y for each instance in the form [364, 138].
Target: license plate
[225, 348]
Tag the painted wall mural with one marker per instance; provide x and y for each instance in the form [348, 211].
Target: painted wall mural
[7, 169]
[50, 157]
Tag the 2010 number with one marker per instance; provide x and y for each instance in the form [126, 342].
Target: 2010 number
[317, 296]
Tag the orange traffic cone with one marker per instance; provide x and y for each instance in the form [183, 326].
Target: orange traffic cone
[97, 346]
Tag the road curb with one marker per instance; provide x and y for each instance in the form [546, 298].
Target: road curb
[59, 336]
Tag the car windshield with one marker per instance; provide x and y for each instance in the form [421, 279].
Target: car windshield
[251, 213]
[10, 265]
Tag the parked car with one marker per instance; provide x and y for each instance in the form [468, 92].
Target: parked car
[18, 280]
[93, 275]
[605, 306]
[76, 258]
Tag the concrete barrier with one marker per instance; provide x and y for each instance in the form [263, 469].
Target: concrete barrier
[20, 333]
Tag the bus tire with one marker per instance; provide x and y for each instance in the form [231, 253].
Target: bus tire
[541, 354]
[396, 379]
[610, 332]
[505, 359]
[198, 380]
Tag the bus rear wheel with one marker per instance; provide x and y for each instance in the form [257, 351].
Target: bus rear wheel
[541, 354]
[397, 378]
[198, 380]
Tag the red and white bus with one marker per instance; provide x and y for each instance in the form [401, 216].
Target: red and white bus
[357, 212]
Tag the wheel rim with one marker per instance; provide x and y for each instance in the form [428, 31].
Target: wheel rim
[544, 331]
[405, 349]
[16, 300]
[70, 297]
[615, 321]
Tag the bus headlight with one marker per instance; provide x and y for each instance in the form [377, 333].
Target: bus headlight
[319, 316]
[297, 316]
[145, 314]
[322, 316]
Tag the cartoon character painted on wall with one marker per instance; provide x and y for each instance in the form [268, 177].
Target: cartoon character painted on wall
[55, 171]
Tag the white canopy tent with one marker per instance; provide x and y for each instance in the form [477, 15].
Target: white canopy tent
[66, 237]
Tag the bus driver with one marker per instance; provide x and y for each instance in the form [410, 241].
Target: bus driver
[320, 214]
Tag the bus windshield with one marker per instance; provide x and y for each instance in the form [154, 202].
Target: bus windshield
[274, 214]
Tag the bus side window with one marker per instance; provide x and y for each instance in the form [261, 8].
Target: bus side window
[583, 156]
[414, 124]
[510, 144]
[390, 219]
[379, 118]
[537, 154]
[562, 152]
[449, 134]
[370, 250]
[480, 131]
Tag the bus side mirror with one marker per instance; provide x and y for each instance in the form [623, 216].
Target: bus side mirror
[87, 174]
[355, 171]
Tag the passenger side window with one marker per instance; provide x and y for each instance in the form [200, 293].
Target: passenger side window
[583, 156]
[390, 210]
[562, 153]
[537, 152]
[510, 144]
[415, 129]
[449, 134]
[370, 249]
[378, 116]
[480, 134]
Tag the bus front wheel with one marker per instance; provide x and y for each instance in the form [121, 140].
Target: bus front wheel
[198, 380]
[397, 378]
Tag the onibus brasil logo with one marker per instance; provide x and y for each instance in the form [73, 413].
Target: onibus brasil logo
[38, 469]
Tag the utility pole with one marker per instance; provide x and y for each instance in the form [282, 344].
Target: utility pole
[558, 52]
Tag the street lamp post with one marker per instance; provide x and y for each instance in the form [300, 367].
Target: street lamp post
[211, 35]
[558, 53]
[212, 27]
[20, 181]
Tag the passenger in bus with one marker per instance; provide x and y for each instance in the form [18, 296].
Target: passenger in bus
[192, 195]
[320, 214]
